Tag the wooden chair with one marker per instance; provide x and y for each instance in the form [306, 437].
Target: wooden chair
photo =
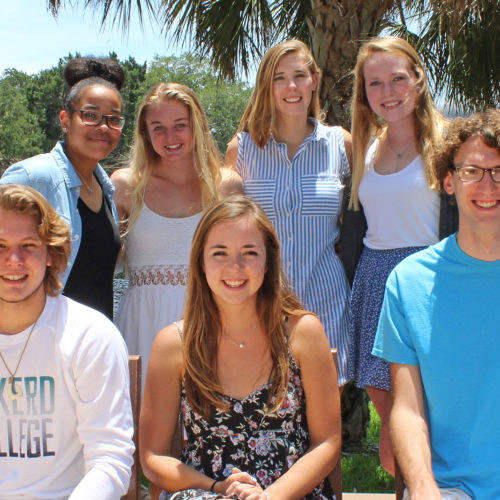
[400, 484]
[134, 366]
[335, 476]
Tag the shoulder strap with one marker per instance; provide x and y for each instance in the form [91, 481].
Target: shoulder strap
[179, 329]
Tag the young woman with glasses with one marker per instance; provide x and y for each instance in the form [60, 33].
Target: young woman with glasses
[72, 180]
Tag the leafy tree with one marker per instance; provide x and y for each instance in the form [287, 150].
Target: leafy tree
[457, 38]
[20, 133]
[132, 93]
[45, 94]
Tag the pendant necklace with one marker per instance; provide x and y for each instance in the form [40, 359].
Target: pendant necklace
[400, 155]
[243, 344]
[89, 189]
[14, 391]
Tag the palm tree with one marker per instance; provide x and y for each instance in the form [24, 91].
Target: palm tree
[458, 39]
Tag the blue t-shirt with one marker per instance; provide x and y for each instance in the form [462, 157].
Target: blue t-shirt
[441, 312]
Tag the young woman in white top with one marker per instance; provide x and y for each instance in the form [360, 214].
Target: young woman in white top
[174, 173]
[395, 127]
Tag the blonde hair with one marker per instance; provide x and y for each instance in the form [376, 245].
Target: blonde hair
[207, 158]
[259, 116]
[52, 230]
[202, 322]
[429, 121]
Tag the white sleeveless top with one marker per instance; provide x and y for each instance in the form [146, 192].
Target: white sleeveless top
[157, 248]
[400, 209]
[157, 253]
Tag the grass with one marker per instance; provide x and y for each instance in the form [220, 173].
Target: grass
[362, 472]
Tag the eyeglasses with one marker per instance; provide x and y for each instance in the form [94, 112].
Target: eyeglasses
[95, 118]
[471, 173]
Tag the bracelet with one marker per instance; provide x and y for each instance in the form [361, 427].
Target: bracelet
[213, 485]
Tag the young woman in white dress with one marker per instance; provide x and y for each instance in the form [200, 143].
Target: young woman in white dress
[174, 173]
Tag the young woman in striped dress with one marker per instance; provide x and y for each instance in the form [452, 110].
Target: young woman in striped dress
[295, 167]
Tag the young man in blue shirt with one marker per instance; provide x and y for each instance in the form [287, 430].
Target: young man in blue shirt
[440, 329]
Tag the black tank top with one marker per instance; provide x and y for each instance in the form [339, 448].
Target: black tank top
[91, 278]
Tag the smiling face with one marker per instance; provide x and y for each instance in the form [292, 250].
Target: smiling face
[390, 86]
[89, 143]
[168, 124]
[478, 202]
[293, 85]
[234, 261]
[23, 259]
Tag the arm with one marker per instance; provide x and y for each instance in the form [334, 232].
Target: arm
[348, 147]
[159, 416]
[105, 423]
[231, 182]
[232, 153]
[310, 349]
[122, 195]
[410, 433]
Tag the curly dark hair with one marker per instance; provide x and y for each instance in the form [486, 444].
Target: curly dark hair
[83, 72]
[485, 125]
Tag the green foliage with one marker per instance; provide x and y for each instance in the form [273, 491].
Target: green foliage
[45, 94]
[361, 471]
[20, 133]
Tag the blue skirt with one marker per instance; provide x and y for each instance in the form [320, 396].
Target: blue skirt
[368, 288]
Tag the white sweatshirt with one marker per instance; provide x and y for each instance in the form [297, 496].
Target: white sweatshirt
[70, 434]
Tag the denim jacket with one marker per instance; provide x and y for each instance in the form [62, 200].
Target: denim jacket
[53, 175]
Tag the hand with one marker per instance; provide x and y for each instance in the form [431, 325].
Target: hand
[242, 485]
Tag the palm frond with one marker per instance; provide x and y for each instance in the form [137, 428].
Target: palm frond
[460, 43]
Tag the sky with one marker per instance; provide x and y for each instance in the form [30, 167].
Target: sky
[31, 39]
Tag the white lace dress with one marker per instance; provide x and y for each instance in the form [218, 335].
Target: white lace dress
[157, 253]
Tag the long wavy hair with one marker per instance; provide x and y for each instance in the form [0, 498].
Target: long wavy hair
[52, 230]
[207, 158]
[366, 124]
[202, 322]
[260, 114]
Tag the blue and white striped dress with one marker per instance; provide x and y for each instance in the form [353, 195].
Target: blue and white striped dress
[303, 199]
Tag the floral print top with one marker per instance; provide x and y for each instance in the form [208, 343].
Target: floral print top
[263, 444]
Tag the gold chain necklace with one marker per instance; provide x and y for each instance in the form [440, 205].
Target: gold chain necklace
[400, 155]
[13, 389]
[241, 345]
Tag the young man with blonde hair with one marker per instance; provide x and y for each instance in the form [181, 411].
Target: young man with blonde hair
[65, 418]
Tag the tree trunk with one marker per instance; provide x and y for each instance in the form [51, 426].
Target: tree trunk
[337, 29]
